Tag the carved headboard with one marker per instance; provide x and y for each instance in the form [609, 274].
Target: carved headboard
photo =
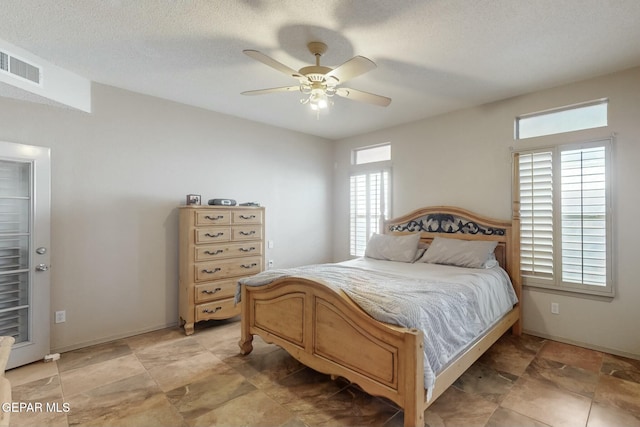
[458, 223]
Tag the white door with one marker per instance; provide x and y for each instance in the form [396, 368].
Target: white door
[24, 250]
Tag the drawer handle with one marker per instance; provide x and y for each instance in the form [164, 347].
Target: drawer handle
[249, 265]
[208, 292]
[245, 233]
[215, 270]
[219, 251]
[214, 235]
[247, 250]
[213, 218]
[247, 217]
[215, 310]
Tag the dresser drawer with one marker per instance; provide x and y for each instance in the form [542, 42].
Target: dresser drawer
[215, 290]
[222, 309]
[227, 250]
[212, 234]
[213, 217]
[246, 217]
[246, 232]
[222, 269]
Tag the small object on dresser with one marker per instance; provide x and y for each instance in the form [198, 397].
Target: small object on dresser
[222, 202]
[256, 204]
[193, 199]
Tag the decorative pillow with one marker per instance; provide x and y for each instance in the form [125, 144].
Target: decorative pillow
[462, 253]
[393, 248]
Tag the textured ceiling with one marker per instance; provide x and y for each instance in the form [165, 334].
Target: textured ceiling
[433, 56]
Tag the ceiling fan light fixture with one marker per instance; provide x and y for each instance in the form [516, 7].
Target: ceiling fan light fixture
[318, 100]
[318, 83]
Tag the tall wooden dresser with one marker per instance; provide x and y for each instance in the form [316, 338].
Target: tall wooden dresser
[218, 246]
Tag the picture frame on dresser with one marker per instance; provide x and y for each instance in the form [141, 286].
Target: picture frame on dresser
[218, 245]
[193, 199]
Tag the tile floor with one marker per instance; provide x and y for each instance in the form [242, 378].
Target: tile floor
[164, 378]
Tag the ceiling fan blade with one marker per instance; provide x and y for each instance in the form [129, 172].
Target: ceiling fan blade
[267, 60]
[272, 90]
[352, 68]
[358, 95]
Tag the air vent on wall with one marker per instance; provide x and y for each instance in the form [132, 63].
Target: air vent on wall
[4, 61]
[19, 68]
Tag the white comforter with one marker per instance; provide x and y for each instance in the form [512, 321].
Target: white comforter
[451, 305]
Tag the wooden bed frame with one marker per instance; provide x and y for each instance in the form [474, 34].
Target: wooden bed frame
[322, 328]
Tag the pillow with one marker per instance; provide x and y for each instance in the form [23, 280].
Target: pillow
[393, 248]
[462, 253]
[490, 262]
[421, 248]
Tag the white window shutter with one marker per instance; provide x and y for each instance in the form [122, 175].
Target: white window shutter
[536, 214]
[583, 218]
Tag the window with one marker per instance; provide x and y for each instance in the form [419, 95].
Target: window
[566, 119]
[565, 225]
[377, 153]
[369, 192]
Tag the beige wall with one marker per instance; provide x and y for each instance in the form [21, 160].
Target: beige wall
[463, 159]
[118, 175]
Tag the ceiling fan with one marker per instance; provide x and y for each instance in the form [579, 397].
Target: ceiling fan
[318, 83]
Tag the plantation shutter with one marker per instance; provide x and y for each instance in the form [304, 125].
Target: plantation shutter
[584, 222]
[369, 203]
[536, 214]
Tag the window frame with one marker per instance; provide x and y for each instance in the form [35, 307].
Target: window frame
[370, 168]
[573, 107]
[555, 282]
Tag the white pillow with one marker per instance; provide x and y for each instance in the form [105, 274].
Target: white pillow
[421, 248]
[462, 253]
[393, 248]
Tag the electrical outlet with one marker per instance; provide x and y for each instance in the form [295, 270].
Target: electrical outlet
[61, 316]
[555, 308]
[270, 264]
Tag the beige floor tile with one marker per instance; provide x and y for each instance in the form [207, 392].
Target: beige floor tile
[607, 416]
[112, 400]
[457, 408]
[252, 409]
[203, 395]
[349, 407]
[570, 378]
[41, 390]
[511, 354]
[572, 355]
[31, 372]
[165, 353]
[167, 378]
[80, 380]
[162, 336]
[507, 418]
[90, 355]
[621, 367]
[619, 393]
[547, 403]
[184, 371]
[486, 382]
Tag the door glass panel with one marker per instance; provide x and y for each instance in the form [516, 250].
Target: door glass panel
[15, 208]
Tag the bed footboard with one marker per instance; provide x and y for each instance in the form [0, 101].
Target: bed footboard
[323, 329]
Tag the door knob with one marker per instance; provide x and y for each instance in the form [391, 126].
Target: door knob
[42, 267]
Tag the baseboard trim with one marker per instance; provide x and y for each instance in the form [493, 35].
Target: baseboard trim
[112, 338]
[583, 344]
